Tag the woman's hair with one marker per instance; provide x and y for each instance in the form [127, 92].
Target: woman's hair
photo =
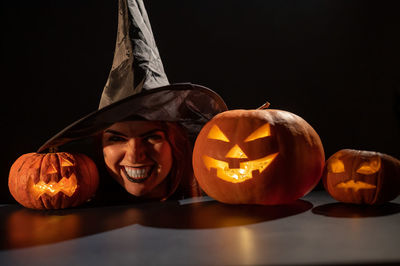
[182, 182]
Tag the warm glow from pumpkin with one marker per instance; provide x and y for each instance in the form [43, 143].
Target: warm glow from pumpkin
[216, 133]
[262, 132]
[237, 175]
[51, 170]
[66, 162]
[336, 166]
[236, 152]
[54, 180]
[370, 167]
[355, 185]
[65, 185]
[244, 172]
[267, 157]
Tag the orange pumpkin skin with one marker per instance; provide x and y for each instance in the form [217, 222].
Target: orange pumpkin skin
[277, 156]
[53, 180]
[362, 177]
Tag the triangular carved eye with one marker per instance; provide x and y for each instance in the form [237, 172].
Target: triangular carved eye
[66, 162]
[336, 166]
[370, 167]
[261, 132]
[51, 169]
[216, 133]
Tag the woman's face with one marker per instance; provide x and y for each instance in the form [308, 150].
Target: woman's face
[138, 155]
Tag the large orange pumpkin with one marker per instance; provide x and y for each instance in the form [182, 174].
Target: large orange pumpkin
[257, 157]
[53, 180]
[362, 177]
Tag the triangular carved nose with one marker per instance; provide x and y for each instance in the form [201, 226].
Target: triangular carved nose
[236, 152]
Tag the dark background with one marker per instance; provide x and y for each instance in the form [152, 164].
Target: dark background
[335, 63]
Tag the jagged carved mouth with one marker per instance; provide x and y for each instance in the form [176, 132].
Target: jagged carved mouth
[243, 173]
[355, 185]
[65, 185]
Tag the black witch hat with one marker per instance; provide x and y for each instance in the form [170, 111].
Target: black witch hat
[138, 86]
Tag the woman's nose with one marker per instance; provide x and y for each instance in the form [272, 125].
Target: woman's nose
[135, 151]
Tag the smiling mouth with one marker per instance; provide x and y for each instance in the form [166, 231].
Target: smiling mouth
[137, 174]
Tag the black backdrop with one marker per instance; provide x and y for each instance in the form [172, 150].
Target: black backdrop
[333, 62]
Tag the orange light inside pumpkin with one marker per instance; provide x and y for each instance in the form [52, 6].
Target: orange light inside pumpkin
[355, 185]
[54, 180]
[216, 133]
[245, 170]
[66, 185]
[336, 166]
[261, 132]
[65, 162]
[236, 152]
[367, 168]
[366, 177]
[51, 170]
[370, 167]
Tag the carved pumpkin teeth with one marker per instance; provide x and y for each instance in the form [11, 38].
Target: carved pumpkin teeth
[65, 185]
[237, 175]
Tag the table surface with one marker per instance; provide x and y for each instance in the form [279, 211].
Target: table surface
[315, 230]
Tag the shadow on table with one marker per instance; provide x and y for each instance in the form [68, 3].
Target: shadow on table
[346, 210]
[26, 228]
[216, 215]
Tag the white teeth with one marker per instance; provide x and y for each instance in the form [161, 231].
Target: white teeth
[137, 172]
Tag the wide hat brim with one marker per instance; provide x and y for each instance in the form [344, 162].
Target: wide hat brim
[188, 104]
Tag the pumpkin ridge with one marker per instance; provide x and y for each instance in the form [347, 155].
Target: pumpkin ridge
[91, 172]
[379, 179]
[354, 165]
[387, 164]
[62, 157]
[82, 171]
[21, 166]
[40, 160]
[72, 159]
[42, 200]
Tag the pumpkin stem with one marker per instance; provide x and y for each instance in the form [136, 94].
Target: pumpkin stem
[264, 106]
[53, 149]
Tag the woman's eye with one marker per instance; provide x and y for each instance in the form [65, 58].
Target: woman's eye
[154, 138]
[115, 139]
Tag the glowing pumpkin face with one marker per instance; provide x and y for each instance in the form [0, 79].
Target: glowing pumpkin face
[52, 180]
[67, 183]
[246, 166]
[257, 157]
[362, 177]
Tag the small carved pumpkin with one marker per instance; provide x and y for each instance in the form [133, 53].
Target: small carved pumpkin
[362, 177]
[257, 157]
[53, 180]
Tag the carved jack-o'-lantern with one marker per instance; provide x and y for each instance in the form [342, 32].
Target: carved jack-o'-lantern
[257, 157]
[362, 177]
[52, 180]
